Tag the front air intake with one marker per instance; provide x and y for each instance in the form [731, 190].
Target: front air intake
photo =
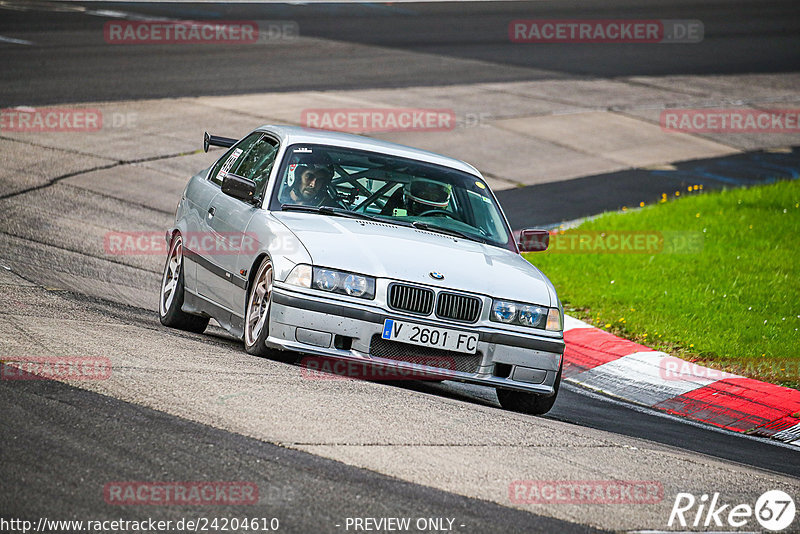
[411, 299]
[458, 307]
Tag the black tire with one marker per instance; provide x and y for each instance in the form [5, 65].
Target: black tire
[260, 290]
[529, 403]
[169, 304]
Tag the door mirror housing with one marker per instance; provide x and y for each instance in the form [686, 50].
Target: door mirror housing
[533, 240]
[239, 187]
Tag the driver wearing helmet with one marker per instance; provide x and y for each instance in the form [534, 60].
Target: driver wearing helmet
[307, 182]
[421, 195]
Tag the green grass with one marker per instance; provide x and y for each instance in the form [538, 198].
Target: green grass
[730, 300]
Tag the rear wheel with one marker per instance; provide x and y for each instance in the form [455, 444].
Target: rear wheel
[171, 296]
[256, 321]
[529, 403]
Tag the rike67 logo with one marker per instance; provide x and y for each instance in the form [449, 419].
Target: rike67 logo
[774, 510]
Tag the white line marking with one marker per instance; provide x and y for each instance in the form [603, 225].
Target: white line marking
[642, 378]
[107, 13]
[15, 41]
[789, 435]
[571, 322]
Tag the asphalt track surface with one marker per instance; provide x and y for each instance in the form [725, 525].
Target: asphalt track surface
[90, 436]
[549, 204]
[56, 437]
[574, 405]
[453, 42]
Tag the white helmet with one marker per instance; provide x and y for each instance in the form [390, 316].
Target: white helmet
[430, 194]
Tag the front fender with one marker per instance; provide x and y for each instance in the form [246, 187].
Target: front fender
[274, 239]
[180, 225]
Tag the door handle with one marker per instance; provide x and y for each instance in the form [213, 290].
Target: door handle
[211, 211]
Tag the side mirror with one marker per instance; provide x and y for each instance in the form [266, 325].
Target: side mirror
[531, 240]
[239, 187]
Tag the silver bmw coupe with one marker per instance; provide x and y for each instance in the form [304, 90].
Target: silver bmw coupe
[355, 250]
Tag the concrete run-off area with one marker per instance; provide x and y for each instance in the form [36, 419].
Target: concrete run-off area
[516, 133]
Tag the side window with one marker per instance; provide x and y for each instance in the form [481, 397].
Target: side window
[256, 162]
[233, 159]
[215, 175]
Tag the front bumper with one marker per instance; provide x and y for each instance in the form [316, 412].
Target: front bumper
[322, 326]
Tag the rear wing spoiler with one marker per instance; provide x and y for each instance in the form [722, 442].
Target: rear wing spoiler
[215, 140]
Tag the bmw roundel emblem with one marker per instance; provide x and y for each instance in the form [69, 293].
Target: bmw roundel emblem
[436, 276]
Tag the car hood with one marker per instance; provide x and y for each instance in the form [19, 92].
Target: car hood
[389, 251]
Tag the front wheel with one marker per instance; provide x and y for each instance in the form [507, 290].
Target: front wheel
[256, 320]
[529, 403]
[170, 298]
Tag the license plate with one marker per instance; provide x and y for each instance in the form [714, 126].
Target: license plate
[430, 336]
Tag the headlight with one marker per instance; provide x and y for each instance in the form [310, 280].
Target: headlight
[300, 276]
[504, 312]
[326, 280]
[533, 316]
[355, 285]
[351, 284]
[528, 315]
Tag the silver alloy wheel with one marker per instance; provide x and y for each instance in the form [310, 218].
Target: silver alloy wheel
[258, 303]
[172, 271]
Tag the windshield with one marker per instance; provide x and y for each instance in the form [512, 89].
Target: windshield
[394, 189]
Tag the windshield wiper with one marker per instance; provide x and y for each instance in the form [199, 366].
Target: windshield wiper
[327, 210]
[442, 230]
[339, 212]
